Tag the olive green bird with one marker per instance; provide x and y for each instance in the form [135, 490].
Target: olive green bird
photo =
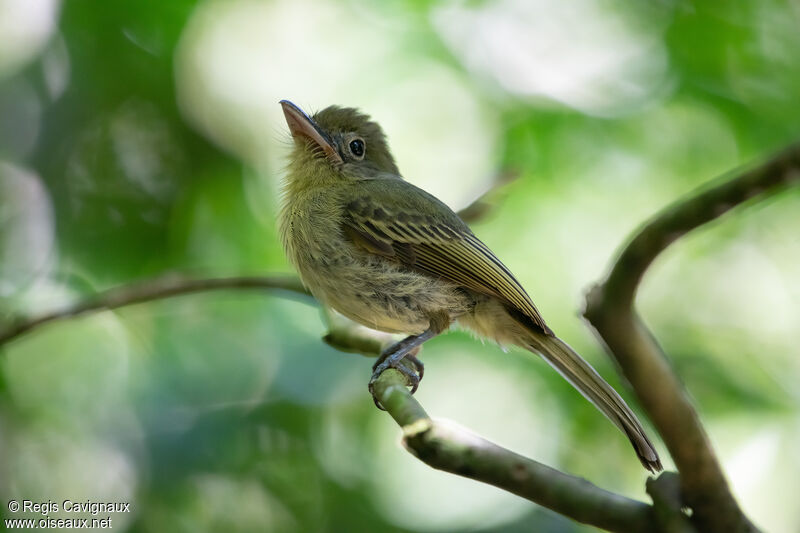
[394, 258]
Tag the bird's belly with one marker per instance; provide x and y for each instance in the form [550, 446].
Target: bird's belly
[381, 295]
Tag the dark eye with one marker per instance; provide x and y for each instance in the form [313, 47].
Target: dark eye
[357, 147]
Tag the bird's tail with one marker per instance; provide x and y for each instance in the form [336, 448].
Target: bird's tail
[594, 388]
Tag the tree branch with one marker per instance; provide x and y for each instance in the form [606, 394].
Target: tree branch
[609, 308]
[482, 206]
[667, 502]
[147, 291]
[348, 336]
[451, 449]
[437, 444]
[343, 336]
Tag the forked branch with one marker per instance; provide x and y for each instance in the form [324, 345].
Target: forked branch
[609, 308]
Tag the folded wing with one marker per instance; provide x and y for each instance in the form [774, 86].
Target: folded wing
[441, 246]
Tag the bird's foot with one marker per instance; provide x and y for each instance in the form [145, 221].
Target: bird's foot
[407, 364]
[410, 357]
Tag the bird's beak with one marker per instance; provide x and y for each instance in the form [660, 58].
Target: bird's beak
[301, 124]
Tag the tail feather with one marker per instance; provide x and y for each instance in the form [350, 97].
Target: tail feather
[594, 388]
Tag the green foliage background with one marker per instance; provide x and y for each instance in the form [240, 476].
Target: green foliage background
[225, 411]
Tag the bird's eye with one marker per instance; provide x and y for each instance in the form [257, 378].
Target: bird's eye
[357, 148]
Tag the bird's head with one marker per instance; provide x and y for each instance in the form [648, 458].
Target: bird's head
[340, 140]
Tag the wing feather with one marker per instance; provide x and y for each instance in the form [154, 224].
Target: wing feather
[439, 249]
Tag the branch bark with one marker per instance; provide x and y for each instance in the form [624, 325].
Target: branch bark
[609, 308]
[451, 449]
[146, 291]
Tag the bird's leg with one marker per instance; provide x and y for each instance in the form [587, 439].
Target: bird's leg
[411, 357]
[406, 350]
[393, 356]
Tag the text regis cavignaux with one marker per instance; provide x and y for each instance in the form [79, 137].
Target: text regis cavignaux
[69, 506]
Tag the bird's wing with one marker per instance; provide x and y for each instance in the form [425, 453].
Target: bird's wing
[395, 219]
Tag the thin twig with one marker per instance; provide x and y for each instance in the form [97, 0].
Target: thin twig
[609, 308]
[348, 336]
[168, 286]
[146, 291]
[451, 449]
[482, 206]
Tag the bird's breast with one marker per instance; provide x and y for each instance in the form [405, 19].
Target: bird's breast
[372, 290]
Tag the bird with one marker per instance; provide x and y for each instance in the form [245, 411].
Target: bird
[392, 257]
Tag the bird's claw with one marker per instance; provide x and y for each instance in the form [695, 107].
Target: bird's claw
[418, 365]
[410, 366]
